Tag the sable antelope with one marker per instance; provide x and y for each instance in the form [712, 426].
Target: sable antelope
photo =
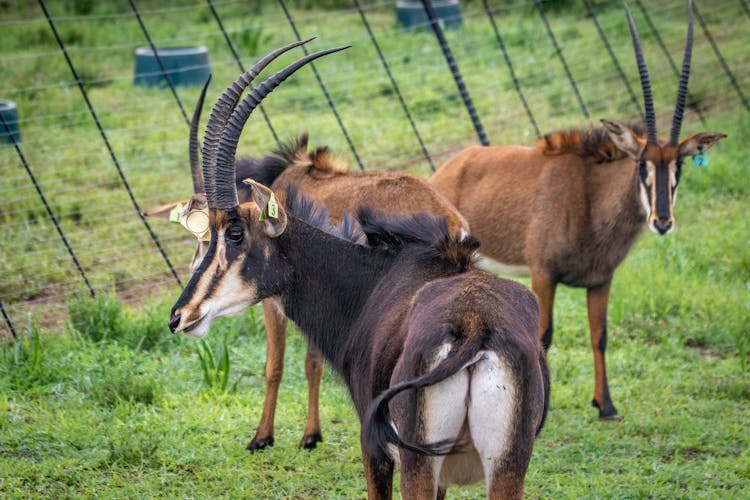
[326, 179]
[568, 209]
[441, 359]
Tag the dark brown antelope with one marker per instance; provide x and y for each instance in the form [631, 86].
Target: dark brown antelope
[568, 210]
[327, 180]
[441, 360]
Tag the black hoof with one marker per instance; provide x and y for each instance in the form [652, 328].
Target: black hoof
[608, 414]
[311, 441]
[259, 443]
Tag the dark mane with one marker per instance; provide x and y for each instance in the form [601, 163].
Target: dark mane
[591, 143]
[295, 153]
[390, 232]
[394, 232]
[292, 153]
[263, 171]
[316, 215]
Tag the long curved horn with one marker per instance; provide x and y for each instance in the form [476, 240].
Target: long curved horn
[679, 108]
[226, 189]
[194, 146]
[221, 111]
[648, 99]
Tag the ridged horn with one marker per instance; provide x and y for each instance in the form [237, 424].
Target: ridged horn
[220, 114]
[226, 189]
[648, 99]
[679, 108]
[194, 146]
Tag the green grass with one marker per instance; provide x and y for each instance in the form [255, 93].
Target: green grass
[109, 404]
[80, 417]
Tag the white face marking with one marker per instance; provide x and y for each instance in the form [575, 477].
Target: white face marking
[200, 252]
[230, 296]
[645, 189]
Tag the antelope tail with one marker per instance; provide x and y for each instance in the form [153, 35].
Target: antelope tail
[378, 432]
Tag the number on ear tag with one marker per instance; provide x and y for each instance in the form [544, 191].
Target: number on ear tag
[700, 160]
[273, 207]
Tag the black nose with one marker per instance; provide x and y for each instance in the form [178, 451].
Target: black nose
[662, 225]
[174, 322]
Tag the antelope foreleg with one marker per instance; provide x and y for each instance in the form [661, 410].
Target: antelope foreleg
[544, 288]
[597, 299]
[275, 322]
[313, 372]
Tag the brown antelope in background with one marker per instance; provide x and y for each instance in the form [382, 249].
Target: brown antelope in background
[441, 360]
[569, 209]
[322, 177]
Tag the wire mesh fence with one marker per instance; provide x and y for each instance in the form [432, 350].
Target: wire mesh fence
[96, 149]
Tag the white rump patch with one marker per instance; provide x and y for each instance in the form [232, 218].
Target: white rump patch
[492, 409]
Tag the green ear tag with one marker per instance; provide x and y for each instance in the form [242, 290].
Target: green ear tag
[701, 159]
[176, 213]
[273, 207]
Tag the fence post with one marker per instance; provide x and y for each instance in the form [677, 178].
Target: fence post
[560, 56]
[46, 206]
[107, 144]
[323, 88]
[448, 54]
[516, 84]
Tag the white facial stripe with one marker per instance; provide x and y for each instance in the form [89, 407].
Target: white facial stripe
[644, 200]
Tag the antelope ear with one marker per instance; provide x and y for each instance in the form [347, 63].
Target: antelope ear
[163, 211]
[698, 143]
[272, 214]
[624, 138]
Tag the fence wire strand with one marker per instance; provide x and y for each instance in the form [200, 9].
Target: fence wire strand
[49, 211]
[400, 108]
[103, 134]
[324, 89]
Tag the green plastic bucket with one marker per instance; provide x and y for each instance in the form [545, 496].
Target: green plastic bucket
[411, 15]
[185, 66]
[10, 115]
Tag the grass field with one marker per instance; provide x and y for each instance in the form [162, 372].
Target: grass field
[111, 405]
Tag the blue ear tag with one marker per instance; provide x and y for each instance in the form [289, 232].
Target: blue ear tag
[701, 159]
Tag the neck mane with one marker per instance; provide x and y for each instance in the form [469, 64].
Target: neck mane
[337, 269]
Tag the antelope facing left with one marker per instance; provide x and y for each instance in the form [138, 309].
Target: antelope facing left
[327, 180]
[568, 210]
[442, 360]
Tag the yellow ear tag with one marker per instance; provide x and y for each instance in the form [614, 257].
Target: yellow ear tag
[273, 207]
[176, 213]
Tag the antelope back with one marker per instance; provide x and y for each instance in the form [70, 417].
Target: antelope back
[324, 178]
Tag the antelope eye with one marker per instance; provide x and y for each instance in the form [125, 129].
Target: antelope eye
[235, 234]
